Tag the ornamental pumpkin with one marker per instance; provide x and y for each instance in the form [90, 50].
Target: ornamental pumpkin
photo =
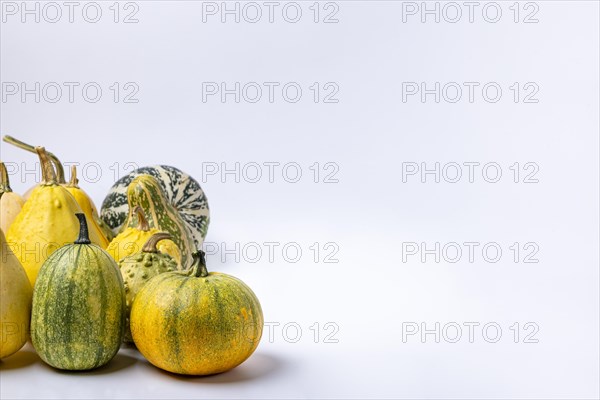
[15, 301]
[196, 323]
[78, 315]
[84, 201]
[138, 269]
[181, 191]
[134, 237]
[46, 222]
[87, 206]
[10, 202]
[146, 192]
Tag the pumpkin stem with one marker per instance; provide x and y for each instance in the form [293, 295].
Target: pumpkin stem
[48, 175]
[142, 221]
[84, 237]
[60, 172]
[4, 181]
[73, 182]
[150, 245]
[198, 267]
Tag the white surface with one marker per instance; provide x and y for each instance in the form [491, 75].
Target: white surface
[371, 294]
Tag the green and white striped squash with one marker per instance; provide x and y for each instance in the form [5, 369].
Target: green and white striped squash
[181, 190]
[78, 313]
[145, 191]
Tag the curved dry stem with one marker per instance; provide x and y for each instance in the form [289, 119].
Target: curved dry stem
[142, 221]
[4, 181]
[48, 175]
[73, 182]
[150, 245]
[60, 171]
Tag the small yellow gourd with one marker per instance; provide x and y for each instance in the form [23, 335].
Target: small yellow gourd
[87, 206]
[132, 239]
[10, 202]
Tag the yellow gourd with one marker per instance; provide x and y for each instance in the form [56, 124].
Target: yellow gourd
[10, 202]
[87, 206]
[15, 301]
[46, 222]
[132, 239]
[93, 219]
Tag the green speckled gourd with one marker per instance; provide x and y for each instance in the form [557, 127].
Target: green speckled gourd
[78, 315]
[146, 192]
[138, 268]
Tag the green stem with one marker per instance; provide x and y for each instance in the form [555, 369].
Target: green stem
[198, 268]
[150, 245]
[60, 172]
[4, 181]
[84, 237]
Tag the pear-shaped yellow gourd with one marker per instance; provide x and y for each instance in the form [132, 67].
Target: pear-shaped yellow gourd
[87, 206]
[15, 301]
[46, 222]
[10, 202]
[132, 239]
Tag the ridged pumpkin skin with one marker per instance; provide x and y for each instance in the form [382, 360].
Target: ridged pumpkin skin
[146, 192]
[78, 315]
[196, 325]
[138, 269]
[15, 302]
[182, 191]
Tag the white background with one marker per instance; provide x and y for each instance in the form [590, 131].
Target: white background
[371, 214]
